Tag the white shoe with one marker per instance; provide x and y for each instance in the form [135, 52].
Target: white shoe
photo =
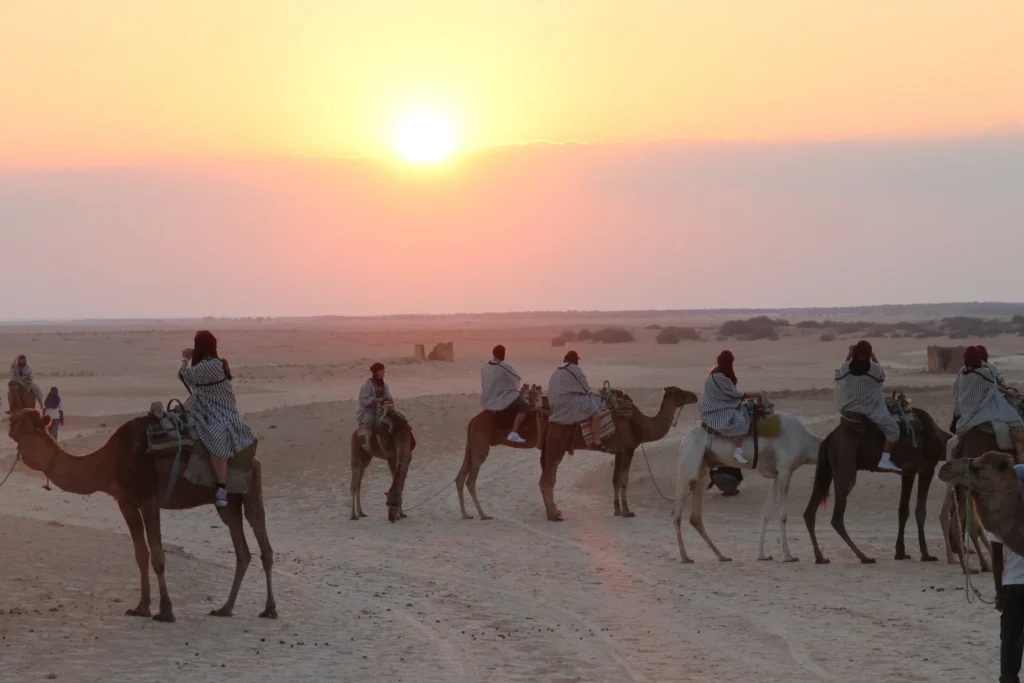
[513, 437]
[221, 499]
[740, 458]
[887, 464]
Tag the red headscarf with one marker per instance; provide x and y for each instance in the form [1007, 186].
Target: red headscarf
[973, 357]
[862, 350]
[724, 365]
[984, 352]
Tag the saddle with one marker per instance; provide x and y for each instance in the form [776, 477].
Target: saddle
[617, 406]
[763, 420]
[388, 421]
[899, 407]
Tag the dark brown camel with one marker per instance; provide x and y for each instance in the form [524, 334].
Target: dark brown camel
[629, 435]
[137, 481]
[20, 397]
[490, 428]
[397, 452]
[854, 446]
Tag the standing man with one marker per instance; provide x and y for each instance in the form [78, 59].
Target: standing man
[53, 407]
[499, 389]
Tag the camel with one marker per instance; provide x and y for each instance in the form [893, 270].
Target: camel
[629, 434]
[857, 445]
[397, 452]
[995, 492]
[779, 457]
[953, 541]
[489, 428]
[137, 481]
[20, 397]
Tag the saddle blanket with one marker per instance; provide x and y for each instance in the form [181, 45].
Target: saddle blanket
[607, 428]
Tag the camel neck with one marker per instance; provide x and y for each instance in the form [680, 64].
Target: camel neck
[655, 427]
[82, 474]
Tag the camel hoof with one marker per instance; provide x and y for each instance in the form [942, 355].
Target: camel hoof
[557, 517]
[484, 518]
[354, 518]
[618, 512]
[465, 516]
[362, 514]
[725, 559]
[867, 560]
[791, 559]
[821, 560]
[46, 488]
[765, 558]
[269, 613]
[902, 556]
[929, 558]
[222, 612]
[628, 514]
[685, 560]
[393, 514]
[167, 618]
[138, 612]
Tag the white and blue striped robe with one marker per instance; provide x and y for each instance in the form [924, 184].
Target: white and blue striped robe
[212, 407]
[366, 410]
[865, 395]
[499, 385]
[721, 407]
[1000, 380]
[569, 396]
[977, 400]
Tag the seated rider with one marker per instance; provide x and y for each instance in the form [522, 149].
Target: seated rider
[499, 389]
[978, 398]
[21, 372]
[1000, 380]
[860, 390]
[571, 400]
[373, 395]
[721, 405]
[211, 405]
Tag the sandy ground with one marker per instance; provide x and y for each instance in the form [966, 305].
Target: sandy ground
[437, 598]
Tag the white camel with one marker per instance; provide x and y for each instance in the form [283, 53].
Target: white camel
[778, 458]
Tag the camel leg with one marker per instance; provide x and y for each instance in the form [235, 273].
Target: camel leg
[460, 483]
[839, 512]
[548, 477]
[616, 470]
[627, 463]
[697, 512]
[785, 478]
[232, 518]
[252, 505]
[822, 483]
[766, 515]
[151, 520]
[903, 513]
[924, 484]
[978, 539]
[137, 529]
[945, 516]
[358, 470]
[471, 483]
[684, 489]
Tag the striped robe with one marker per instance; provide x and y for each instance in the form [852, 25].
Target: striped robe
[1000, 380]
[569, 396]
[499, 385]
[865, 395]
[721, 407]
[366, 412]
[212, 407]
[976, 400]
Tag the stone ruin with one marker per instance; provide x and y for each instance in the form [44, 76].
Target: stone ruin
[948, 359]
[445, 351]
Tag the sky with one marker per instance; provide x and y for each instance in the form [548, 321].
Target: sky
[692, 154]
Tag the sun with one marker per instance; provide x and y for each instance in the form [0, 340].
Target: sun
[424, 137]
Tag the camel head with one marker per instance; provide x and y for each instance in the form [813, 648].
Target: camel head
[985, 475]
[680, 397]
[29, 425]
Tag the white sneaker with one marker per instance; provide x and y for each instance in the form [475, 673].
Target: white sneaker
[515, 438]
[221, 500]
[887, 464]
[740, 458]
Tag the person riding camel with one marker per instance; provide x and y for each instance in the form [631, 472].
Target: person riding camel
[721, 405]
[373, 394]
[21, 372]
[499, 389]
[571, 400]
[860, 390]
[978, 398]
[212, 407]
[1000, 380]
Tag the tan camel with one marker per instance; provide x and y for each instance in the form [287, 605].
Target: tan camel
[20, 397]
[490, 428]
[397, 452]
[995, 491]
[629, 434]
[857, 445]
[137, 481]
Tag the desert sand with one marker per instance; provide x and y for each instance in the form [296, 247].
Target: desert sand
[438, 598]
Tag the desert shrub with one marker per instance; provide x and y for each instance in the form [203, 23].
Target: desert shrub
[1017, 320]
[673, 335]
[758, 327]
[558, 341]
[584, 335]
[613, 335]
[828, 336]
[653, 327]
[568, 336]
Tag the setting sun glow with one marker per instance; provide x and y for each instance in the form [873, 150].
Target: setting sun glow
[424, 138]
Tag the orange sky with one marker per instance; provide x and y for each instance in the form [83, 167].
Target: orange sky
[147, 80]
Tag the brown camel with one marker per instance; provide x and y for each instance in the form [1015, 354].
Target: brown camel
[397, 452]
[857, 445]
[995, 490]
[19, 397]
[490, 428]
[137, 481]
[629, 434]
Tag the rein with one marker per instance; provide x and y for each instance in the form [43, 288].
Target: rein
[970, 591]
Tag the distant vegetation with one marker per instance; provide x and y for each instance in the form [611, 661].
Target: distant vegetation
[954, 327]
[673, 335]
[606, 335]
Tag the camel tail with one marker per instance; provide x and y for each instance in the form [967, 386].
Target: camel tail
[822, 474]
